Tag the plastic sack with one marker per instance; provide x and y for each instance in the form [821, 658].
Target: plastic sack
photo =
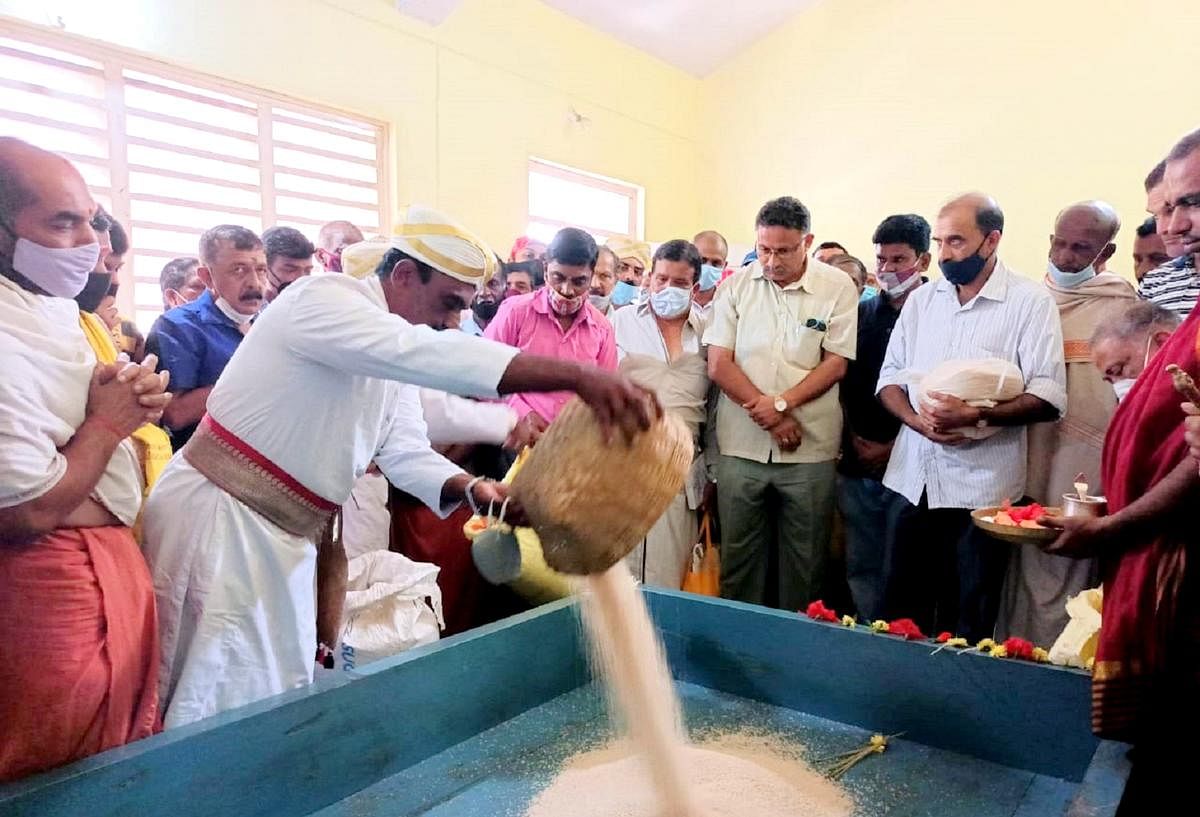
[392, 604]
[1076, 646]
[981, 383]
[703, 576]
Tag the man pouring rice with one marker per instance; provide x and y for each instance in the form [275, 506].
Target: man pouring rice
[325, 384]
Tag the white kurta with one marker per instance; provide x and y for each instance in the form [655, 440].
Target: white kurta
[682, 388]
[320, 388]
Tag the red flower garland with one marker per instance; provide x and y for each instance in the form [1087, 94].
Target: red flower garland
[1019, 648]
[906, 627]
[944, 637]
[819, 612]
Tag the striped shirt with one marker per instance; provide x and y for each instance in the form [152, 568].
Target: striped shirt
[1012, 318]
[1174, 286]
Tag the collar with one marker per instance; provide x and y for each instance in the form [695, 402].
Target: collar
[694, 321]
[805, 282]
[205, 308]
[1181, 263]
[375, 292]
[996, 288]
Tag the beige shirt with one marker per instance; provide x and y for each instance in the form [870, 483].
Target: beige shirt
[777, 335]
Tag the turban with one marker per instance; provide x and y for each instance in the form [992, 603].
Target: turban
[627, 248]
[524, 242]
[448, 247]
[360, 260]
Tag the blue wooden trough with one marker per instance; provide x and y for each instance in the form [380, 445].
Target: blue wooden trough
[479, 723]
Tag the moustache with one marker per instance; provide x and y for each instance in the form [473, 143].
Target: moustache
[254, 295]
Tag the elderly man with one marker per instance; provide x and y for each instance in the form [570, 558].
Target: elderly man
[940, 569]
[782, 333]
[1149, 251]
[901, 259]
[195, 341]
[1124, 343]
[179, 282]
[331, 240]
[258, 495]
[714, 254]
[632, 259]
[1036, 589]
[485, 305]
[557, 321]
[78, 641]
[659, 346]
[1146, 681]
[1175, 285]
[604, 279]
[289, 258]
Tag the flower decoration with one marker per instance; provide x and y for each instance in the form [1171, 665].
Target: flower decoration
[849, 621]
[985, 645]
[907, 628]
[879, 626]
[943, 637]
[819, 612]
[999, 651]
[1018, 648]
[1041, 656]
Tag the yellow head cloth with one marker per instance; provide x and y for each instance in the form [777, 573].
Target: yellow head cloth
[627, 248]
[360, 260]
[445, 245]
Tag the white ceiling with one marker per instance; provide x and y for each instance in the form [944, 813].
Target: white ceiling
[695, 35]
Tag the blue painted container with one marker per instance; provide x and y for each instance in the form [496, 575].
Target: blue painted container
[477, 724]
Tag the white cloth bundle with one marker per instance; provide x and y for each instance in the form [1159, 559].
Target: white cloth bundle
[980, 383]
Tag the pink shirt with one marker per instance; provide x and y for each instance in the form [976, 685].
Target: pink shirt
[528, 323]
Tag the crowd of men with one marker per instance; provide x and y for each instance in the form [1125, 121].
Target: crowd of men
[288, 396]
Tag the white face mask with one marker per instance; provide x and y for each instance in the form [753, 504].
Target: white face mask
[601, 302]
[228, 311]
[890, 282]
[62, 272]
[671, 302]
[1122, 387]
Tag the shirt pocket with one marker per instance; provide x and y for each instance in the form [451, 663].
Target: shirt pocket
[802, 339]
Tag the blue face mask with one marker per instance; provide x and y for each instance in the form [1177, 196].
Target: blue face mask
[1070, 280]
[710, 276]
[624, 293]
[961, 273]
[868, 293]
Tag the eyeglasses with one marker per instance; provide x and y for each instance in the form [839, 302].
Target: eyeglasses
[813, 323]
[782, 254]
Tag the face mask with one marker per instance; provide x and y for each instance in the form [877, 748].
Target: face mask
[564, 305]
[1070, 280]
[961, 273]
[890, 282]
[624, 293]
[62, 272]
[93, 291]
[228, 311]
[601, 302]
[485, 310]
[1122, 387]
[710, 276]
[868, 293]
[671, 302]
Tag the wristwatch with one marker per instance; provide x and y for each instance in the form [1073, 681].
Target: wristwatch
[781, 405]
[982, 421]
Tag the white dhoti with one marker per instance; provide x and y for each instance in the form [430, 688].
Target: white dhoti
[236, 598]
[660, 560]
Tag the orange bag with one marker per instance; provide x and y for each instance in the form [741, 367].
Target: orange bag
[703, 576]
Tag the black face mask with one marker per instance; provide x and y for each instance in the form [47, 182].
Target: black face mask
[485, 310]
[961, 273]
[94, 291]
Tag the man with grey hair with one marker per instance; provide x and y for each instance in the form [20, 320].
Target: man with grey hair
[1036, 589]
[332, 239]
[195, 341]
[179, 282]
[1127, 339]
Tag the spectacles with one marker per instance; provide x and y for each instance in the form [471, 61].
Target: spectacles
[783, 253]
[813, 323]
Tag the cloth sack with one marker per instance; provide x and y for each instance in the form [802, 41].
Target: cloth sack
[1076, 646]
[703, 575]
[980, 383]
[392, 604]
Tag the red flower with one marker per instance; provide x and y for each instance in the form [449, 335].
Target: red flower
[819, 612]
[944, 637]
[1019, 648]
[907, 628]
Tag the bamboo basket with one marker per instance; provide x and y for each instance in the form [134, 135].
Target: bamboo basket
[591, 502]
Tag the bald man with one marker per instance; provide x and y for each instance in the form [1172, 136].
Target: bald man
[714, 253]
[1038, 585]
[951, 457]
[78, 634]
[332, 239]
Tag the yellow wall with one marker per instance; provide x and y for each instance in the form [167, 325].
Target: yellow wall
[468, 101]
[863, 108]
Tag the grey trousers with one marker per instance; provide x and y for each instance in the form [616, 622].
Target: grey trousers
[780, 508]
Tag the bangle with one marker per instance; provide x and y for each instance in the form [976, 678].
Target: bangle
[104, 423]
[470, 497]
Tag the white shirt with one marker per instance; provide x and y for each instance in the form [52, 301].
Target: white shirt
[320, 387]
[46, 369]
[1012, 318]
[778, 335]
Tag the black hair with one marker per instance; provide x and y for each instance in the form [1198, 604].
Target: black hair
[394, 256]
[847, 258]
[1154, 177]
[573, 247]
[239, 237]
[784, 211]
[176, 272]
[989, 218]
[1185, 146]
[831, 245]
[906, 228]
[117, 237]
[679, 250]
[287, 242]
[1147, 228]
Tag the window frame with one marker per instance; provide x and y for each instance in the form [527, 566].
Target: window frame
[634, 193]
